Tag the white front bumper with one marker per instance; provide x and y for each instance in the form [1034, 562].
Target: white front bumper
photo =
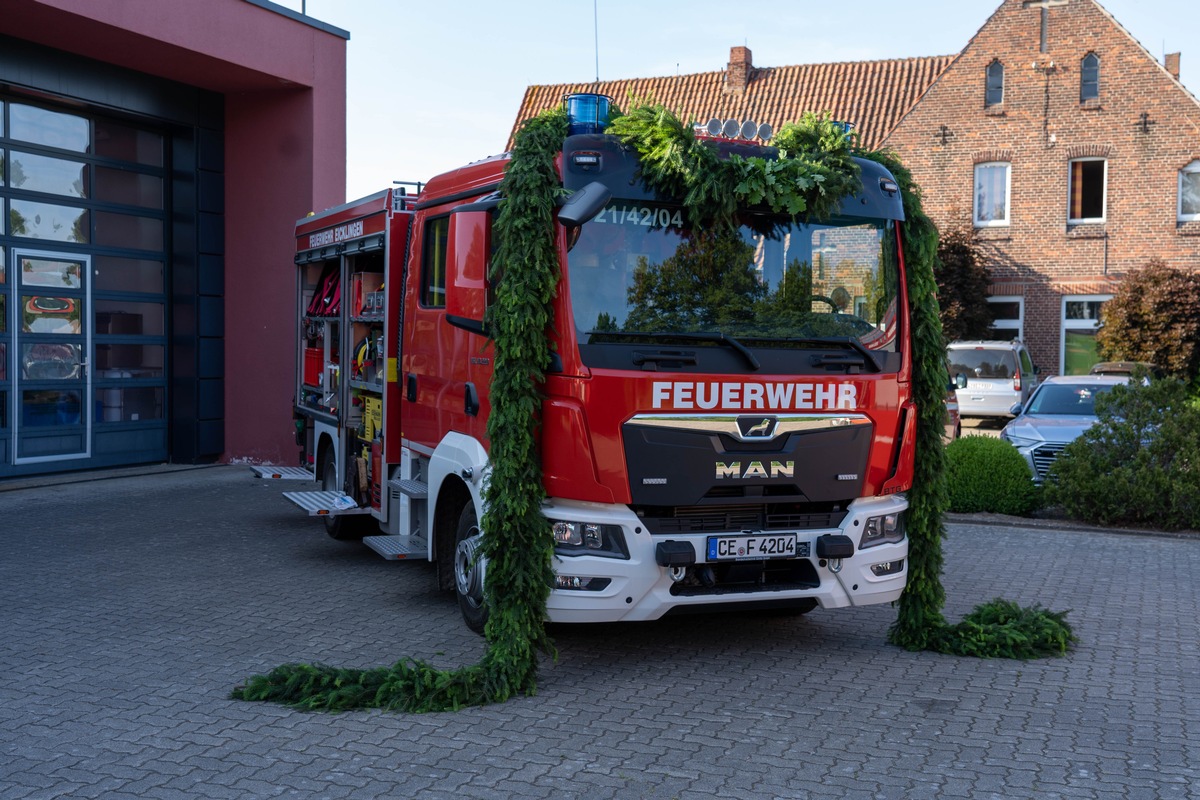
[639, 589]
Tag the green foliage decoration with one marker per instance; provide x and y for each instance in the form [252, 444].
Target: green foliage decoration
[814, 171]
[920, 624]
[1002, 629]
[1138, 464]
[517, 546]
[988, 474]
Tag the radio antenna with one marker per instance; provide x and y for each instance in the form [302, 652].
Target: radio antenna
[596, 30]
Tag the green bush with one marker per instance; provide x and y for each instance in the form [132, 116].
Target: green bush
[987, 474]
[1139, 465]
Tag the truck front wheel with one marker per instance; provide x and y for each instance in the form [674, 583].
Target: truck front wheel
[468, 570]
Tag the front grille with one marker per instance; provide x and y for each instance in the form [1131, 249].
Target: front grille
[1044, 455]
[759, 517]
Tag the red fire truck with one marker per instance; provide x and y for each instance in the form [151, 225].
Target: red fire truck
[726, 422]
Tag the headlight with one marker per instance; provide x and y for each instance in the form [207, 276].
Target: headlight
[883, 529]
[1017, 441]
[588, 539]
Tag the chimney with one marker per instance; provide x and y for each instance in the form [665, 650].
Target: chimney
[740, 66]
[1171, 62]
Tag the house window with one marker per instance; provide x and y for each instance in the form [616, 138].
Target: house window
[1189, 192]
[995, 84]
[1080, 321]
[991, 194]
[1089, 78]
[1087, 190]
[1008, 313]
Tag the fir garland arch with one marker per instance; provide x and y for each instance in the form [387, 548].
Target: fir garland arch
[815, 169]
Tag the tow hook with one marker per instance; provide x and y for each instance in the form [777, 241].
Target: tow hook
[835, 547]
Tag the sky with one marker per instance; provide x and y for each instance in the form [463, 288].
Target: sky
[435, 85]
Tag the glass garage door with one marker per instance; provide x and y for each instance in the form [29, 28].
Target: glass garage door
[83, 287]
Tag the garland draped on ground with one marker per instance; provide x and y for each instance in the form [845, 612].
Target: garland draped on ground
[518, 547]
[815, 170]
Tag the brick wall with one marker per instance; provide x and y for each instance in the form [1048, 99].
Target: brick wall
[1038, 128]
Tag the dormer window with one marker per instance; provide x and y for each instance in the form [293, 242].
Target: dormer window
[995, 84]
[1089, 78]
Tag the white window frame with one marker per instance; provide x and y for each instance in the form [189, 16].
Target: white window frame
[993, 223]
[1075, 324]
[1018, 324]
[1071, 187]
[1191, 169]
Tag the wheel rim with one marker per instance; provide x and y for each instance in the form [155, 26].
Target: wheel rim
[468, 570]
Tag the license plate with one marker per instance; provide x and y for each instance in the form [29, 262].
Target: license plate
[735, 548]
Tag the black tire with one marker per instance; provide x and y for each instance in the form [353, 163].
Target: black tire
[469, 570]
[344, 529]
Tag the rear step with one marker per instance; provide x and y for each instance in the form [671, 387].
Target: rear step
[326, 504]
[282, 473]
[396, 548]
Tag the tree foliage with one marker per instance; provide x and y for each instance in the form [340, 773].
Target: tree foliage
[1154, 317]
[962, 281]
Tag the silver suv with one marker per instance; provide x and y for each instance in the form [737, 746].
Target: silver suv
[991, 376]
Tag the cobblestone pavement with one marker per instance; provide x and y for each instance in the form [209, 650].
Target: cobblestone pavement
[130, 607]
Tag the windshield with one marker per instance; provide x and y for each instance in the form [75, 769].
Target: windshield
[1062, 399]
[637, 271]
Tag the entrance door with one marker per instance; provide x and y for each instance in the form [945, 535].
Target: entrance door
[52, 390]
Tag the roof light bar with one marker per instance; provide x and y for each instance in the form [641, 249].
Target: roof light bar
[733, 129]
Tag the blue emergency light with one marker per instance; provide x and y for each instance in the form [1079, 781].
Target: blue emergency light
[586, 113]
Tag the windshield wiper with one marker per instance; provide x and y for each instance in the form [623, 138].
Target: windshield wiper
[867, 357]
[863, 357]
[719, 338]
[692, 336]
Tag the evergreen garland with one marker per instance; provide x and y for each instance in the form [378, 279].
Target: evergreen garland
[518, 548]
[814, 172]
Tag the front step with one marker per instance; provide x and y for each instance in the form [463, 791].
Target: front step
[282, 473]
[326, 504]
[417, 490]
[396, 548]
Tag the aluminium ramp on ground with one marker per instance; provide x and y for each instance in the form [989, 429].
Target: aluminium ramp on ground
[273, 472]
[326, 504]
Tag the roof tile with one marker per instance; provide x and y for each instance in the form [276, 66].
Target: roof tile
[874, 95]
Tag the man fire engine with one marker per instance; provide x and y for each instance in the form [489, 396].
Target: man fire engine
[726, 419]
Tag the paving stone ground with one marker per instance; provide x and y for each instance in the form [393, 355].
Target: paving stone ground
[130, 607]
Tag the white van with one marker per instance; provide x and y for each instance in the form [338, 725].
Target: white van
[992, 376]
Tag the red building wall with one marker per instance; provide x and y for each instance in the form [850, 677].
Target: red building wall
[283, 78]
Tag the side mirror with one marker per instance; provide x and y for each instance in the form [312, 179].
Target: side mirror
[584, 204]
[1016, 409]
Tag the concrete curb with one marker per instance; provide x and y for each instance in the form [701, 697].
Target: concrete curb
[1004, 520]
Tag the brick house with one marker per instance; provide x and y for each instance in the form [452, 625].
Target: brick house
[1071, 152]
[1067, 148]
